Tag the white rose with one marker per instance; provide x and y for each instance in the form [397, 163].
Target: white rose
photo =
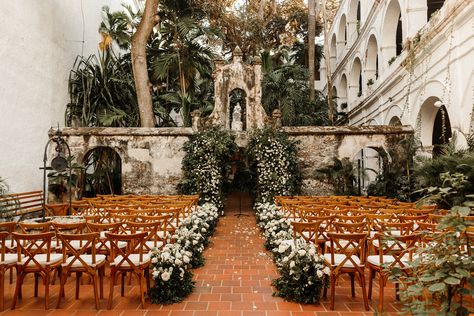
[186, 259]
[165, 276]
[282, 248]
[154, 260]
[319, 273]
[327, 270]
[155, 274]
[292, 264]
[178, 262]
[302, 252]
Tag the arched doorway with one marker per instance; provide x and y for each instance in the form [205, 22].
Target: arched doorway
[343, 93]
[395, 121]
[392, 34]
[369, 163]
[442, 132]
[342, 34]
[356, 80]
[103, 172]
[433, 7]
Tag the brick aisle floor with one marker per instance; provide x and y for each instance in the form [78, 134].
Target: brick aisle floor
[235, 280]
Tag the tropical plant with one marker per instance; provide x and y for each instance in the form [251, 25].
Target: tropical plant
[4, 188]
[206, 164]
[341, 175]
[396, 179]
[273, 160]
[442, 272]
[102, 172]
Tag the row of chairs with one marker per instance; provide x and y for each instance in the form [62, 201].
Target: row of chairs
[82, 247]
[352, 243]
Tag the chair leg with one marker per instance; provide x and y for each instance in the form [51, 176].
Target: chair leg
[364, 290]
[78, 283]
[333, 291]
[147, 278]
[397, 289]
[95, 281]
[142, 294]
[101, 281]
[352, 284]
[381, 290]
[2, 289]
[61, 290]
[371, 280]
[19, 279]
[122, 291]
[111, 292]
[36, 284]
[46, 289]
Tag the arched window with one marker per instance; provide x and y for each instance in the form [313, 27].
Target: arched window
[392, 32]
[356, 79]
[333, 51]
[372, 59]
[342, 90]
[441, 130]
[103, 172]
[433, 6]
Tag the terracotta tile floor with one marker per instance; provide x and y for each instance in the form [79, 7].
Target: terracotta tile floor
[235, 280]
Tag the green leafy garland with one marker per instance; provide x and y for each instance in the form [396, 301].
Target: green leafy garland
[205, 164]
[273, 158]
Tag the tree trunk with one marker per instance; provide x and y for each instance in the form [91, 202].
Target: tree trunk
[313, 8]
[327, 59]
[139, 64]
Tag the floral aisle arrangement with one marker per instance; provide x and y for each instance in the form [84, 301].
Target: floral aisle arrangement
[303, 275]
[173, 280]
[205, 165]
[273, 158]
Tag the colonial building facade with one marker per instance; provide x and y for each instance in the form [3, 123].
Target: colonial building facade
[404, 62]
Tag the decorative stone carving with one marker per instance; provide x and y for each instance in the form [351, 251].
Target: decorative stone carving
[237, 118]
[238, 75]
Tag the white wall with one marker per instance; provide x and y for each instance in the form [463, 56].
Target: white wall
[39, 41]
[450, 47]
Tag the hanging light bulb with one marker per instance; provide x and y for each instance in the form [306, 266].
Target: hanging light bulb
[438, 104]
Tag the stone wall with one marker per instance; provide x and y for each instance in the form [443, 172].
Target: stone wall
[319, 145]
[151, 157]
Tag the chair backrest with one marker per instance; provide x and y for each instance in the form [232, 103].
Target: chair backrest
[71, 228]
[343, 227]
[30, 245]
[102, 228]
[349, 245]
[86, 244]
[157, 233]
[391, 228]
[34, 228]
[377, 220]
[400, 248]
[350, 218]
[412, 218]
[135, 245]
[309, 231]
[9, 228]
[3, 239]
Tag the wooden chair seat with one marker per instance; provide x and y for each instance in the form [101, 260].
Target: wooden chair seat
[88, 259]
[134, 259]
[339, 258]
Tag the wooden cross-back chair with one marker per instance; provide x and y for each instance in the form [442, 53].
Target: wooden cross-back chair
[79, 256]
[34, 256]
[156, 230]
[347, 255]
[394, 251]
[309, 231]
[7, 262]
[103, 244]
[129, 259]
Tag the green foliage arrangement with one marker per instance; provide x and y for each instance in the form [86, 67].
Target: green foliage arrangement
[273, 159]
[442, 273]
[396, 180]
[341, 175]
[4, 188]
[447, 179]
[303, 274]
[173, 280]
[206, 164]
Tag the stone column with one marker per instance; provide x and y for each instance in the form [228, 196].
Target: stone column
[196, 120]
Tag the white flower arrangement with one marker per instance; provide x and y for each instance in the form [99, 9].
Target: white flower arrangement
[303, 274]
[171, 264]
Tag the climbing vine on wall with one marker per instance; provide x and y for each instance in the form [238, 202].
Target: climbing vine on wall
[206, 164]
[273, 158]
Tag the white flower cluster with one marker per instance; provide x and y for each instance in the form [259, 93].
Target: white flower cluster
[296, 261]
[273, 168]
[188, 240]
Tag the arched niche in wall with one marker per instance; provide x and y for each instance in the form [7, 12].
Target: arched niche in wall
[392, 32]
[355, 83]
[335, 96]
[435, 124]
[433, 6]
[342, 90]
[238, 97]
[372, 59]
[354, 18]
[342, 34]
[442, 132]
[102, 172]
[333, 52]
[395, 121]
[368, 163]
